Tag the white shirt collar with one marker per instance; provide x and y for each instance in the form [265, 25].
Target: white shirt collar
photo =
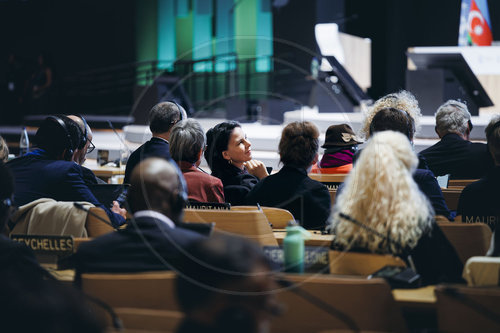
[155, 215]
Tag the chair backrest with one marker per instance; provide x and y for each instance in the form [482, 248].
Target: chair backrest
[328, 178]
[95, 227]
[456, 183]
[357, 263]
[252, 224]
[368, 304]
[278, 217]
[482, 271]
[149, 290]
[468, 309]
[468, 239]
[451, 197]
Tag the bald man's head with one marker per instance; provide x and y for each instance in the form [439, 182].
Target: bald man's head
[79, 155]
[155, 186]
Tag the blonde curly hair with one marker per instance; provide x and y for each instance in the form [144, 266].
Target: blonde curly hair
[402, 100]
[381, 193]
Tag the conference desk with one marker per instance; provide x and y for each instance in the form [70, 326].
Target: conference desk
[316, 239]
[104, 172]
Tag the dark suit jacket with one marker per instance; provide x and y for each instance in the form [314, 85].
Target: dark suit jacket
[201, 186]
[480, 201]
[156, 147]
[428, 185]
[291, 189]
[148, 244]
[237, 183]
[37, 175]
[17, 258]
[460, 158]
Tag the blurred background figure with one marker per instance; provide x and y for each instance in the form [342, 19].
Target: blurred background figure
[340, 145]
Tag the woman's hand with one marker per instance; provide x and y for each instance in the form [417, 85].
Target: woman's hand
[256, 168]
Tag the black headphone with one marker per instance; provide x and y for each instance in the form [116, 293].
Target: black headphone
[83, 142]
[180, 111]
[69, 148]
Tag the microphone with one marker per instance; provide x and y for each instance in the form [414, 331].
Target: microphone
[318, 302]
[375, 232]
[85, 209]
[118, 135]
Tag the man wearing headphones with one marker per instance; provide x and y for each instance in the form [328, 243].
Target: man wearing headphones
[49, 172]
[454, 154]
[85, 147]
[162, 117]
[152, 239]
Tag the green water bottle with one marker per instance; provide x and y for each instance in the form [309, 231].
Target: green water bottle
[293, 247]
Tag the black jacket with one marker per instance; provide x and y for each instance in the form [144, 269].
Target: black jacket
[291, 189]
[156, 147]
[460, 158]
[146, 245]
[237, 183]
[480, 201]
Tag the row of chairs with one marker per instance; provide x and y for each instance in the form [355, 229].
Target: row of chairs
[345, 304]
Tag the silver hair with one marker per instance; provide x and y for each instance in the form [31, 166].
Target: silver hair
[186, 140]
[452, 117]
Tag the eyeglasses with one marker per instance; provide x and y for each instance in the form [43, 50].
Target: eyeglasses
[90, 148]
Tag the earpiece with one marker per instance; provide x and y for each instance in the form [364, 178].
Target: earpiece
[69, 148]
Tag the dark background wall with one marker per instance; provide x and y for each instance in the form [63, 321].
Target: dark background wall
[86, 34]
[76, 34]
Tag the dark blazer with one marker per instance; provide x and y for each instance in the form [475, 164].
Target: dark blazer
[201, 186]
[237, 183]
[460, 158]
[291, 189]
[90, 178]
[428, 185]
[148, 244]
[37, 175]
[480, 201]
[156, 147]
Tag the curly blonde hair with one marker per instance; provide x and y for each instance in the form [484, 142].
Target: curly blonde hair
[381, 193]
[402, 100]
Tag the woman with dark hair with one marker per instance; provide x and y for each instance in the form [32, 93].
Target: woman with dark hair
[229, 157]
[291, 188]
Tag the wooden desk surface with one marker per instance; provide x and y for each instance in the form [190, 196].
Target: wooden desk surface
[317, 239]
[420, 297]
[104, 171]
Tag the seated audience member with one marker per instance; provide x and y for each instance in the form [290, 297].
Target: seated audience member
[229, 156]
[85, 147]
[31, 300]
[13, 256]
[381, 193]
[48, 172]
[162, 117]
[480, 201]
[4, 150]
[187, 143]
[291, 188]
[152, 240]
[402, 115]
[228, 286]
[340, 145]
[454, 154]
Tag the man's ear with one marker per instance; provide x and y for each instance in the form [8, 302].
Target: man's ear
[436, 130]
